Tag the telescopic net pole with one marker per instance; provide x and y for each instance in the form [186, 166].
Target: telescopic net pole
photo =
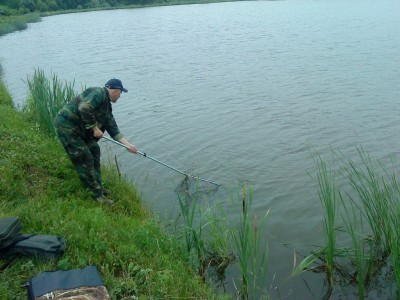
[160, 162]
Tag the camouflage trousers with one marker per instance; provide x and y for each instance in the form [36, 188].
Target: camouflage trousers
[85, 156]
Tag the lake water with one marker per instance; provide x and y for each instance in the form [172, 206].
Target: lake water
[235, 92]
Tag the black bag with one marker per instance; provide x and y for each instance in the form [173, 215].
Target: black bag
[10, 227]
[42, 246]
[83, 283]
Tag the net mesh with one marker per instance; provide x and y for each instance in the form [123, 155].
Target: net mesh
[195, 187]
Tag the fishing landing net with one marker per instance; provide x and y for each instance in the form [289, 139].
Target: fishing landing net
[190, 185]
[194, 187]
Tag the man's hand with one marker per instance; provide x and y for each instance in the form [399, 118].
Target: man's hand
[97, 132]
[132, 148]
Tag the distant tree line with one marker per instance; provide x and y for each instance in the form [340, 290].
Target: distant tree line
[26, 6]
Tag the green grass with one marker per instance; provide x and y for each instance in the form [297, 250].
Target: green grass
[5, 98]
[395, 257]
[378, 195]
[252, 255]
[360, 253]
[39, 184]
[46, 98]
[329, 196]
[193, 233]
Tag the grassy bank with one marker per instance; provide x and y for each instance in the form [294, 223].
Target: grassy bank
[13, 23]
[38, 184]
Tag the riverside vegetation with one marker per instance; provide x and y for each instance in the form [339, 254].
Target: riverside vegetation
[13, 23]
[136, 257]
[361, 225]
[38, 184]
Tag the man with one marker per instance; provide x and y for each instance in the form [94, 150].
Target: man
[79, 126]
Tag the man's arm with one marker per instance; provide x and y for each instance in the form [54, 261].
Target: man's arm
[124, 141]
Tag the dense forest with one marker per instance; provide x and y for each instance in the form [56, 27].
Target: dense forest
[26, 6]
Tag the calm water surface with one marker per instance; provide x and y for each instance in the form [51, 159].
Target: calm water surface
[235, 92]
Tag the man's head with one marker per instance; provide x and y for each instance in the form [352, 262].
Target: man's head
[116, 84]
[115, 88]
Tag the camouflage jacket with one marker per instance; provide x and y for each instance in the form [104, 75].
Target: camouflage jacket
[90, 108]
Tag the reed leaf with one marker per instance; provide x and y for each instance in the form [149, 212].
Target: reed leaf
[46, 98]
[360, 254]
[304, 265]
[253, 259]
[328, 195]
[378, 193]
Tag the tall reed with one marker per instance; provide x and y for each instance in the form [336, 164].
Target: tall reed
[46, 98]
[219, 257]
[193, 231]
[253, 259]
[395, 235]
[329, 196]
[370, 211]
[378, 201]
[362, 246]
[378, 194]
[206, 236]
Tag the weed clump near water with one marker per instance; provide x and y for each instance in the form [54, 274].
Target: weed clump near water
[13, 23]
[365, 214]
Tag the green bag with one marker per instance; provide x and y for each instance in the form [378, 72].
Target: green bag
[10, 228]
[42, 246]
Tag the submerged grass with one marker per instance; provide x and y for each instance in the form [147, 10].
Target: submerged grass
[39, 185]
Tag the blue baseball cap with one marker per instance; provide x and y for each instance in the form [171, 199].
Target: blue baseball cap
[116, 84]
